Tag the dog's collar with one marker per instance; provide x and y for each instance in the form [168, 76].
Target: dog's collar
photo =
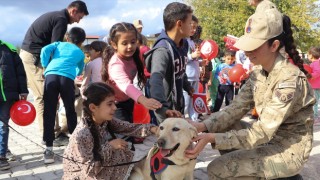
[158, 163]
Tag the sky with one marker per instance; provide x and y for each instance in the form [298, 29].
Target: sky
[18, 15]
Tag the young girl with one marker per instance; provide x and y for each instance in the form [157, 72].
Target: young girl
[314, 57]
[92, 71]
[92, 145]
[120, 70]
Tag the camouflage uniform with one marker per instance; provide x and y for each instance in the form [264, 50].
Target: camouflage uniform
[280, 141]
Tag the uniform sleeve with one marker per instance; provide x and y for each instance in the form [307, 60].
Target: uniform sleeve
[160, 64]
[46, 53]
[222, 120]
[124, 83]
[276, 111]
[130, 129]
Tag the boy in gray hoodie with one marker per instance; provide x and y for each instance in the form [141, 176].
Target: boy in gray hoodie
[167, 62]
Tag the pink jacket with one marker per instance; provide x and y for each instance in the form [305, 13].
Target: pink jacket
[121, 75]
[315, 80]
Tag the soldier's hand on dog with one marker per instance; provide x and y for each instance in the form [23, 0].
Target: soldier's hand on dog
[199, 126]
[202, 140]
[118, 144]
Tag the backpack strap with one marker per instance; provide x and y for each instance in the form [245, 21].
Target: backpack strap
[173, 93]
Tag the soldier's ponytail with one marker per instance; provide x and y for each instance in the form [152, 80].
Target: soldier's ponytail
[286, 40]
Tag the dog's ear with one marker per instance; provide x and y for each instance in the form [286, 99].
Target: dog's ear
[193, 131]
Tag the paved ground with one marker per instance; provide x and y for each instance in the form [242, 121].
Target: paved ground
[29, 163]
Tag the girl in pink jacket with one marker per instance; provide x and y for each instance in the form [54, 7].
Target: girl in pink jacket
[314, 57]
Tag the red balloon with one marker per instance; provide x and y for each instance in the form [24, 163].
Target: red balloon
[307, 68]
[140, 114]
[200, 88]
[230, 41]
[237, 73]
[22, 113]
[209, 49]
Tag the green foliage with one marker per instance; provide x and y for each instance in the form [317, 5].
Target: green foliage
[221, 17]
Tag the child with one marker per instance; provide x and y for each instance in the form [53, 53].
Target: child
[121, 69]
[13, 85]
[142, 50]
[168, 78]
[213, 83]
[63, 62]
[192, 68]
[225, 88]
[314, 57]
[92, 71]
[93, 145]
[86, 51]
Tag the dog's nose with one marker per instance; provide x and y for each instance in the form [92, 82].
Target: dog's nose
[161, 142]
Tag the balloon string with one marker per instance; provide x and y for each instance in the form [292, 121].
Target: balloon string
[76, 162]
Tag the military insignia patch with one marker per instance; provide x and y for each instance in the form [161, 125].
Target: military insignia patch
[284, 96]
[287, 84]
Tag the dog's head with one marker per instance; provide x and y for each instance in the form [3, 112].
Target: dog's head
[175, 135]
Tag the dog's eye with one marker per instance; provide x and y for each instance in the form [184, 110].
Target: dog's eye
[175, 129]
[161, 127]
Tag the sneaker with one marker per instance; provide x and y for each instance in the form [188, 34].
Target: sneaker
[295, 177]
[4, 165]
[48, 157]
[55, 143]
[61, 140]
[10, 156]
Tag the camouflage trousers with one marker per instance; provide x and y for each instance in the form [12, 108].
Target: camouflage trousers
[264, 162]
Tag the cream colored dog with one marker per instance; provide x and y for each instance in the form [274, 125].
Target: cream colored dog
[166, 160]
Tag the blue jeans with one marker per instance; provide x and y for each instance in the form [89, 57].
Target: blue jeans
[4, 129]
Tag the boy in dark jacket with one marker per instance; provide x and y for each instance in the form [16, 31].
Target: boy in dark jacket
[167, 61]
[13, 86]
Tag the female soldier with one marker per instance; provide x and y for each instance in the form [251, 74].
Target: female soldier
[279, 142]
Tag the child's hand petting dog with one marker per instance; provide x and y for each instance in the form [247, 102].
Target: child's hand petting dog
[118, 144]
[154, 130]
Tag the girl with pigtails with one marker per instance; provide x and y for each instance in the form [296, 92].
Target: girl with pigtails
[93, 151]
[121, 64]
[120, 68]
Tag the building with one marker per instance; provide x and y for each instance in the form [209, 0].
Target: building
[90, 39]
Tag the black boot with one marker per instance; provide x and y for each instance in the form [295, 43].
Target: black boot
[295, 177]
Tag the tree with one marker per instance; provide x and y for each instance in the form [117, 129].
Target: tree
[221, 17]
